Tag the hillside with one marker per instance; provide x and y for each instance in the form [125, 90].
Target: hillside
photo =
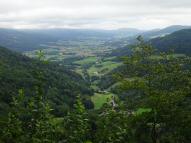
[20, 40]
[179, 41]
[162, 32]
[122, 42]
[129, 108]
[61, 85]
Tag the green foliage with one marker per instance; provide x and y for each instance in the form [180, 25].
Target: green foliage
[153, 104]
[76, 124]
[100, 99]
[59, 84]
[161, 85]
[179, 42]
[29, 120]
[113, 124]
[13, 131]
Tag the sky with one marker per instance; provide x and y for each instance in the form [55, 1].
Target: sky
[94, 14]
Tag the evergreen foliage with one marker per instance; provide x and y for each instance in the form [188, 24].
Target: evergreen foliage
[152, 106]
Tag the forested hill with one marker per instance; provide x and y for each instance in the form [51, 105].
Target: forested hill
[162, 32]
[18, 71]
[179, 41]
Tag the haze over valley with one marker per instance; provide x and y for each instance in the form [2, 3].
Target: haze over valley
[95, 71]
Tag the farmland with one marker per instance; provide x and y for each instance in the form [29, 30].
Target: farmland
[87, 57]
[100, 98]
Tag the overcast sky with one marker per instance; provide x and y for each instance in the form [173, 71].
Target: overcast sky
[104, 14]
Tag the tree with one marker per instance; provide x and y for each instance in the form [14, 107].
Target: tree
[13, 129]
[160, 83]
[76, 124]
[113, 124]
[29, 119]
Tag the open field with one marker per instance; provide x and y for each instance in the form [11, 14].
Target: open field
[102, 68]
[85, 61]
[158, 57]
[100, 99]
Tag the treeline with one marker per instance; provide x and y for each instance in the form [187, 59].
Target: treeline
[152, 106]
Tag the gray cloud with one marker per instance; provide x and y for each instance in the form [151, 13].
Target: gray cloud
[107, 14]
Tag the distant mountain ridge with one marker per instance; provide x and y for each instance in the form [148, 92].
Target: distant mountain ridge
[147, 35]
[179, 41]
[19, 40]
[27, 40]
[162, 32]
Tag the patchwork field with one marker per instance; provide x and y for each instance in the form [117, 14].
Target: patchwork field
[87, 58]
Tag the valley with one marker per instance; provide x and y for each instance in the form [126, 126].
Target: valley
[95, 86]
[95, 71]
[95, 56]
[87, 57]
